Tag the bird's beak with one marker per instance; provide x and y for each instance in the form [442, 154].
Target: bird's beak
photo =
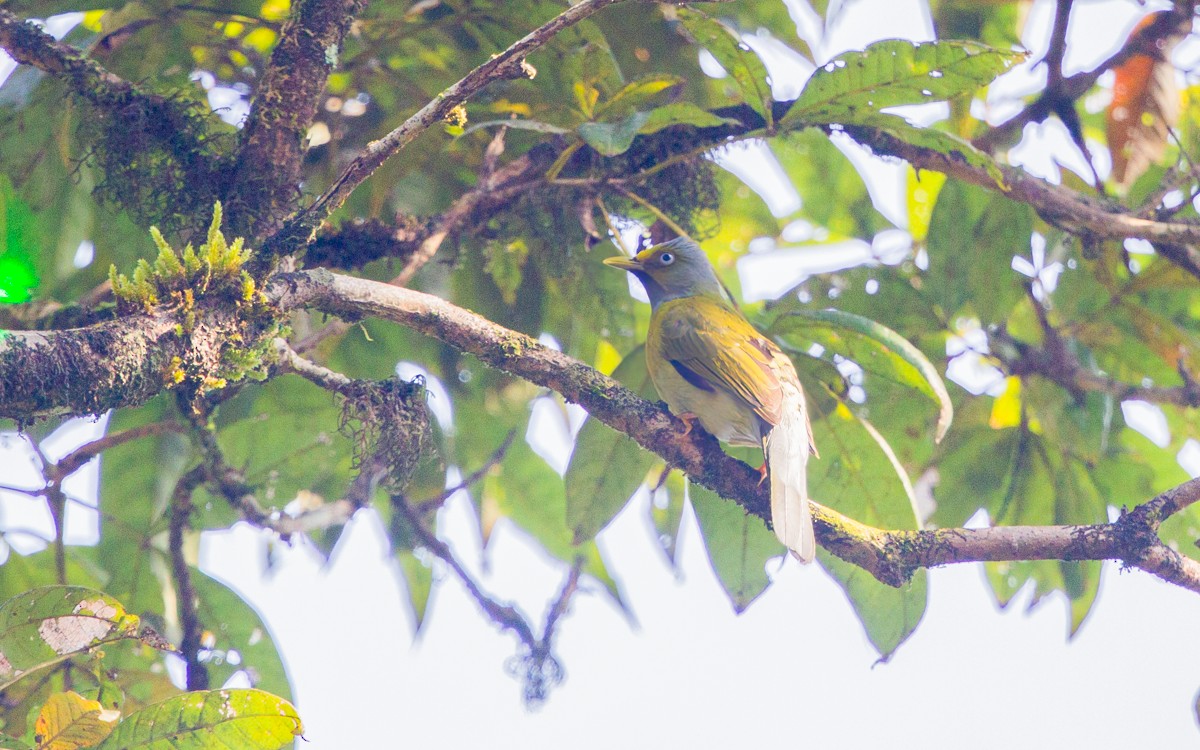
[623, 263]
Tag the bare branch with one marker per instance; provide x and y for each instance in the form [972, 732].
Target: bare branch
[1060, 90]
[504, 615]
[435, 502]
[71, 462]
[29, 45]
[309, 370]
[1064, 208]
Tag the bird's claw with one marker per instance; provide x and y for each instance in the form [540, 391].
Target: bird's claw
[689, 421]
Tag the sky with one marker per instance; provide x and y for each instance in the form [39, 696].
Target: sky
[793, 669]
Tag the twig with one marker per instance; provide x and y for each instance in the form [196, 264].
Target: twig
[509, 64]
[1058, 44]
[291, 361]
[539, 667]
[72, 462]
[189, 613]
[504, 615]
[430, 504]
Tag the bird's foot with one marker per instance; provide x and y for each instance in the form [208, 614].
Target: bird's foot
[762, 473]
[689, 421]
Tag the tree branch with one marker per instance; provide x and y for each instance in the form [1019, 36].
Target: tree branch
[1058, 205]
[1059, 89]
[267, 176]
[891, 556]
[29, 45]
[189, 613]
[509, 64]
[171, 122]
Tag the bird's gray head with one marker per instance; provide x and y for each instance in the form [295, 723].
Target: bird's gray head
[674, 269]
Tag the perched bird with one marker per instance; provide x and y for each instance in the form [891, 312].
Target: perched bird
[708, 363]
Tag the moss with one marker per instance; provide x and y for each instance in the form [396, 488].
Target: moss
[159, 157]
[388, 423]
[193, 284]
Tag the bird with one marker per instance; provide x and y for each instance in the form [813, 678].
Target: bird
[710, 364]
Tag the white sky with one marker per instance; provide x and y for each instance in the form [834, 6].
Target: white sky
[794, 670]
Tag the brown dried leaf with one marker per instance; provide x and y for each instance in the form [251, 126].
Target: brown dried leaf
[1144, 108]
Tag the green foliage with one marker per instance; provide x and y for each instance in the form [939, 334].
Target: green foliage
[738, 60]
[620, 123]
[875, 348]
[893, 73]
[860, 476]
[606, 466]
[738, 545]
[53, 627]
[180, 277]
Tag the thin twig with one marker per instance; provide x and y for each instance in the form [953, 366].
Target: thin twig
[433, 503]
[189, 613]
[74, 460]
[503, 615]
[507, 65]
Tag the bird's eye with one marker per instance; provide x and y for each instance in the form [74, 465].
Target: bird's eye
[666, 259]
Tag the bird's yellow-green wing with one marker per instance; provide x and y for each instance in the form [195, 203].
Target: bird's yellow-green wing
[711, 344]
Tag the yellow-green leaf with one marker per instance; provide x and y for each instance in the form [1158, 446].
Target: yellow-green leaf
[68, 721]
[39, 626]
[210, 720]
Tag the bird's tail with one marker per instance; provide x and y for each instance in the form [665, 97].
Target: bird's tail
[787, 448]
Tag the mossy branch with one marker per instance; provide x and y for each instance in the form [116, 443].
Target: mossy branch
[891, 556]
[125, 362]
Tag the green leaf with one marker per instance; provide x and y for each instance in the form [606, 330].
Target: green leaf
[889, 615]
[210, 720]
[517, 124]
[284, 434]
[237, 626]
[666, 513]
[876, 348]
[738, 544]
[973, 235]
[942, 142]
[637, 93]
[418, 583]
[41, 625]
[833, 194]
[682, 113]
[735, 57]
[1024, 478]
[524, 489]
[858, 475]
[612, 138]
[505, 263]
[12, 743]
[896, 72]
[606, 466]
